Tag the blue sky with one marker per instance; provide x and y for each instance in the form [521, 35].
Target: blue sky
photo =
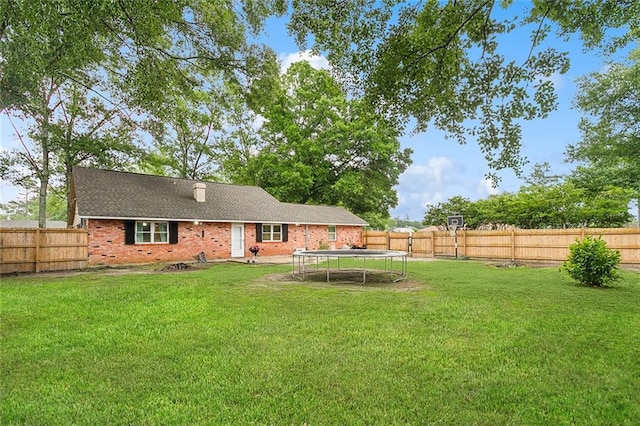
[441, 168]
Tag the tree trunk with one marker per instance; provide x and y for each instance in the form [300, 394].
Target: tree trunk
[70, 202]
[44, 172]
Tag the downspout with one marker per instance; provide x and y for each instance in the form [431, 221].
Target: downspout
[306, 237]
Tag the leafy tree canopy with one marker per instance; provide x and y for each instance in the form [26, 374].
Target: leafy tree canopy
[135, 54]
[441, 62]
[536, 206]
[322, 148]
[609, 152]
[437, 214]
[145, 47]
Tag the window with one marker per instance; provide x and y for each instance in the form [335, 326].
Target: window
[152, 232]
[333, 234]
[271, 232]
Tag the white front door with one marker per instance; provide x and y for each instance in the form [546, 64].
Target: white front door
[237, 240]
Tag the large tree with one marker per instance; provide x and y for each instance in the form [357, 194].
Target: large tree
[66, 127]
[442, 62]
[141, 48]
[322, 148]
[86, 131]
[185, 133]
[609, 152]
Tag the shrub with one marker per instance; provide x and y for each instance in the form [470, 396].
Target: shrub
[591, 263]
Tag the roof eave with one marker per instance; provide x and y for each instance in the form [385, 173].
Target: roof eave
[216, 220]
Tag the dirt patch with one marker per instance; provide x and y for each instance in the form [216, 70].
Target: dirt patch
[176, 267]
[344, 279]
[150, 268]
[509, 264]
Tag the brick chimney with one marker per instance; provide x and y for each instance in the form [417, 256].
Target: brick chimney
[198, 191]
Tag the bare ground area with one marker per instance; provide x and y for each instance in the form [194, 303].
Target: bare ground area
[346, 278]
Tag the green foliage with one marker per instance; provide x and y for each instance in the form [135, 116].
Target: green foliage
[437, 62]
[57, 58]
[609, 151]
[442, 63]
[545, 203]
[437, 214]
[144, 48]
[27, 209]
[69, 127]
[591, 263]
[377, 221]
[320, 147]
[185, 132]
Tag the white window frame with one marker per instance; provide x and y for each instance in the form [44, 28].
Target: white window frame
[333, 235]
[154, 232]
[269, 233]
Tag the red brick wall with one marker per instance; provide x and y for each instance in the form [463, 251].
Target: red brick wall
[106, 242]
[318, 234]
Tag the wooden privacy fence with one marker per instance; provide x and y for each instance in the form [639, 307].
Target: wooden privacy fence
[515, 245]
[39, 250]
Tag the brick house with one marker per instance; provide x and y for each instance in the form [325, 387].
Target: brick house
[137, 218]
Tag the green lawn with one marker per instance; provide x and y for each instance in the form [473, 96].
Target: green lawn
[462, 343]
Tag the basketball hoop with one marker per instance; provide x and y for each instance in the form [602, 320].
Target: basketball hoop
[453, 223]
[455, 220]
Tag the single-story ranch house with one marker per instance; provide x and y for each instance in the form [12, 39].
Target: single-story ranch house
[135, 218]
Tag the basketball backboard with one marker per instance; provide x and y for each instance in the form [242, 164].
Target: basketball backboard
[455, 221]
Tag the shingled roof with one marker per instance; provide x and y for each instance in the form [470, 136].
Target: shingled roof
[123, 195]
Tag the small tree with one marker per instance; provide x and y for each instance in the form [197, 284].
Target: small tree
[591, 263]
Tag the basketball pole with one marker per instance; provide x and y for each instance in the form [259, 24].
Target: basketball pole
[455, 241]
[453, 223]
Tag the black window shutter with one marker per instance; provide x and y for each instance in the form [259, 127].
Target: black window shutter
[173, 232]
[285, 232]
[129, 231]
[258, 232]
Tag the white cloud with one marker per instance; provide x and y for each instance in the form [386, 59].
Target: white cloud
[316, 61]
[258, 121]
[485, 187]
[557, 79]
[423, 184]
[437, 169]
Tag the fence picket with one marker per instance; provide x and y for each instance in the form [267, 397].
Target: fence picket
[36, 250]
[513, 245]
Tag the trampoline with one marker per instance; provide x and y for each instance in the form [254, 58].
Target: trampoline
[396, 273]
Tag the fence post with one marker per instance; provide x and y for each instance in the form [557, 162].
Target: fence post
[464, 242]
[433, 244]
[513, 245]
[37, 251]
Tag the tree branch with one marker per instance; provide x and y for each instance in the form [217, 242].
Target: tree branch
[452, 35]
[537, 33]
[33, 162]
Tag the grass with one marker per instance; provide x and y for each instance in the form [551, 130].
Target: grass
[467, 344]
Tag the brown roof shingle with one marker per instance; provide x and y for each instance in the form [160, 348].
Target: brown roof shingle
[111, 194]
